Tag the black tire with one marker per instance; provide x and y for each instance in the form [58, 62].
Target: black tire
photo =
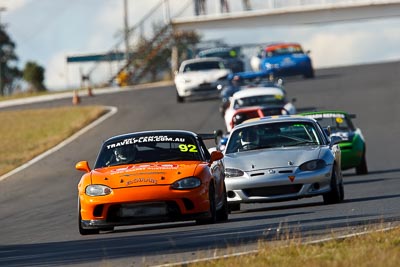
[309, 74]
[223, 212]
[83, 231]
[108, 229]
[234, 207]
[362, 169]
[179, 98]
[213, 210]
[336, 195]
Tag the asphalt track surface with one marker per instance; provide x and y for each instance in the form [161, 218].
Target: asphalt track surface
[38, 205]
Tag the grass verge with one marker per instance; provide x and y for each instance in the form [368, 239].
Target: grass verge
[24, 134]
[380, 248]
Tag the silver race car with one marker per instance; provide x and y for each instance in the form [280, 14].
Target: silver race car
[282, 158]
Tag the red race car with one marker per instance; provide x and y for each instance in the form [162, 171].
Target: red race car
[242, 114]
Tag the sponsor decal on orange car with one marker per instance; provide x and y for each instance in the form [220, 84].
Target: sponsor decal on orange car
[142, 180]
[146, 139]
[142, 167]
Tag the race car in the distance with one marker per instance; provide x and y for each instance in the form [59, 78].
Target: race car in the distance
[244, 80]
[151, 177]
[258, 96]
[200, 77]
[353, 145]
[283, 59]
[242, 114]
[231, 55]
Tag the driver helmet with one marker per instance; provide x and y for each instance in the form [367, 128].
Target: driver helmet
[249, 136]
[124, 154]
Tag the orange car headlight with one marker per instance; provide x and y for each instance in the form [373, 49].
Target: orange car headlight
[98, 190]
[187, 183]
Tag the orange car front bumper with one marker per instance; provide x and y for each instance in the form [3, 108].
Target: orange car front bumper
[145, 204]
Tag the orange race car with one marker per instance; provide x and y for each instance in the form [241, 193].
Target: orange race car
[151, 177]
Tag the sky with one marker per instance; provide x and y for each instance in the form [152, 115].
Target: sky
[47, 31]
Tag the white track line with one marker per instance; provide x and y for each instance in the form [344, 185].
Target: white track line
[111, 112]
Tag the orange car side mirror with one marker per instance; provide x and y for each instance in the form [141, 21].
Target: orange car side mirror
[82, 166]
[216, 155]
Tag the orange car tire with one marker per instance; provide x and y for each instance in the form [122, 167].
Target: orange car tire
[83, 231]
[213, 209]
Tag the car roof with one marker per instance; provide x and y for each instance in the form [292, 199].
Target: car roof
[250, 74]
[324, 112]
[154, 133]
[273, 119]
[271, 47]
[217, 49]
[202, 59]
[258, 91]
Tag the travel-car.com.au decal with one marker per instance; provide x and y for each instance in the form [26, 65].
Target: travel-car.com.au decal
[146, 139]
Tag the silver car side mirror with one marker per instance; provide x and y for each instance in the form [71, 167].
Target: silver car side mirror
[335, 140]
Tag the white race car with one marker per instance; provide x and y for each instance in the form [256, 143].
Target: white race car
[257, 96]
[200, 77]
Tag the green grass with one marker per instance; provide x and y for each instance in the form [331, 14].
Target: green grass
[380, 248]
[25, 134]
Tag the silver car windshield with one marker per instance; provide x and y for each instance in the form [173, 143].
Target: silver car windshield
[273, 135]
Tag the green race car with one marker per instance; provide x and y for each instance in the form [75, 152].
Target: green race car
[353, 149]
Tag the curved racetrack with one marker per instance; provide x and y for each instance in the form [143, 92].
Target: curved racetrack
[38, 224]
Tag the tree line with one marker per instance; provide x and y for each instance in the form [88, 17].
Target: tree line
[11, 77]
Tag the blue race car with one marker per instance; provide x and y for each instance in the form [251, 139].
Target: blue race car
[284, 59]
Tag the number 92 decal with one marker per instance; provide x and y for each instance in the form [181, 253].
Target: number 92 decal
[187, 148]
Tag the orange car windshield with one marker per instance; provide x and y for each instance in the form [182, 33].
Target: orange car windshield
[148, 148]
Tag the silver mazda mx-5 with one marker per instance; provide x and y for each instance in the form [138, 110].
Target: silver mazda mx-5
[282, 158]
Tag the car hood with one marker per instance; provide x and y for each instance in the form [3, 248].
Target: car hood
[271, 158]
[203, 76]
[144, 174]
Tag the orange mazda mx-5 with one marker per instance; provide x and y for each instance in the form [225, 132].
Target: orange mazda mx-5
[151, 177]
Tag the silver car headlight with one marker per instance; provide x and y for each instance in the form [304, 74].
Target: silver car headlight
[98, 190]
[313, 165]
[231, 172]
[187, 183]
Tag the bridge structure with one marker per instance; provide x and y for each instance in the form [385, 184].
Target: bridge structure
[291, 12]
[179, 15]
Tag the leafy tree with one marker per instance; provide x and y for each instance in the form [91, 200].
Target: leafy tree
[185, 42]
[8, 73]
[34, 75]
